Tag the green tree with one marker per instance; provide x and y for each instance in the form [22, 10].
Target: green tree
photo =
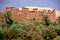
[58, 26]
[46, 20]
[59, 19]
[49, 33]
[7, 19]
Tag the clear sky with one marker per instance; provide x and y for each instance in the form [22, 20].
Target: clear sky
[21, 3]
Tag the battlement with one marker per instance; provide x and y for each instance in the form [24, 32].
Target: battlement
[35, 9]
[9, 8]
[27, 9]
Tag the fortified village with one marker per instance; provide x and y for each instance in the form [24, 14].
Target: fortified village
[26, 14]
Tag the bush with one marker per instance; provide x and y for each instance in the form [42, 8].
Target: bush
[29, 30]
[49, 33]
[57, 29]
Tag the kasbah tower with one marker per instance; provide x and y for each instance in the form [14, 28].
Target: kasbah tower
[25, 13]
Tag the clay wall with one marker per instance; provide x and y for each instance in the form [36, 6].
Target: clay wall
[25, 14]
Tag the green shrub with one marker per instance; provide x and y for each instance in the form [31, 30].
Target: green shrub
[29, 30]
[57, 29]
[49, 33]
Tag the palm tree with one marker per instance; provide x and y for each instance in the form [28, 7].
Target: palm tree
[46, 20]
[8, 18]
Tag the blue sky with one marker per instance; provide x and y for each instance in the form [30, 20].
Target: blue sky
[21, 3]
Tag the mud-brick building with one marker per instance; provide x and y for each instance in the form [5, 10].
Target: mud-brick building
[1, 16]
[26, 14]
